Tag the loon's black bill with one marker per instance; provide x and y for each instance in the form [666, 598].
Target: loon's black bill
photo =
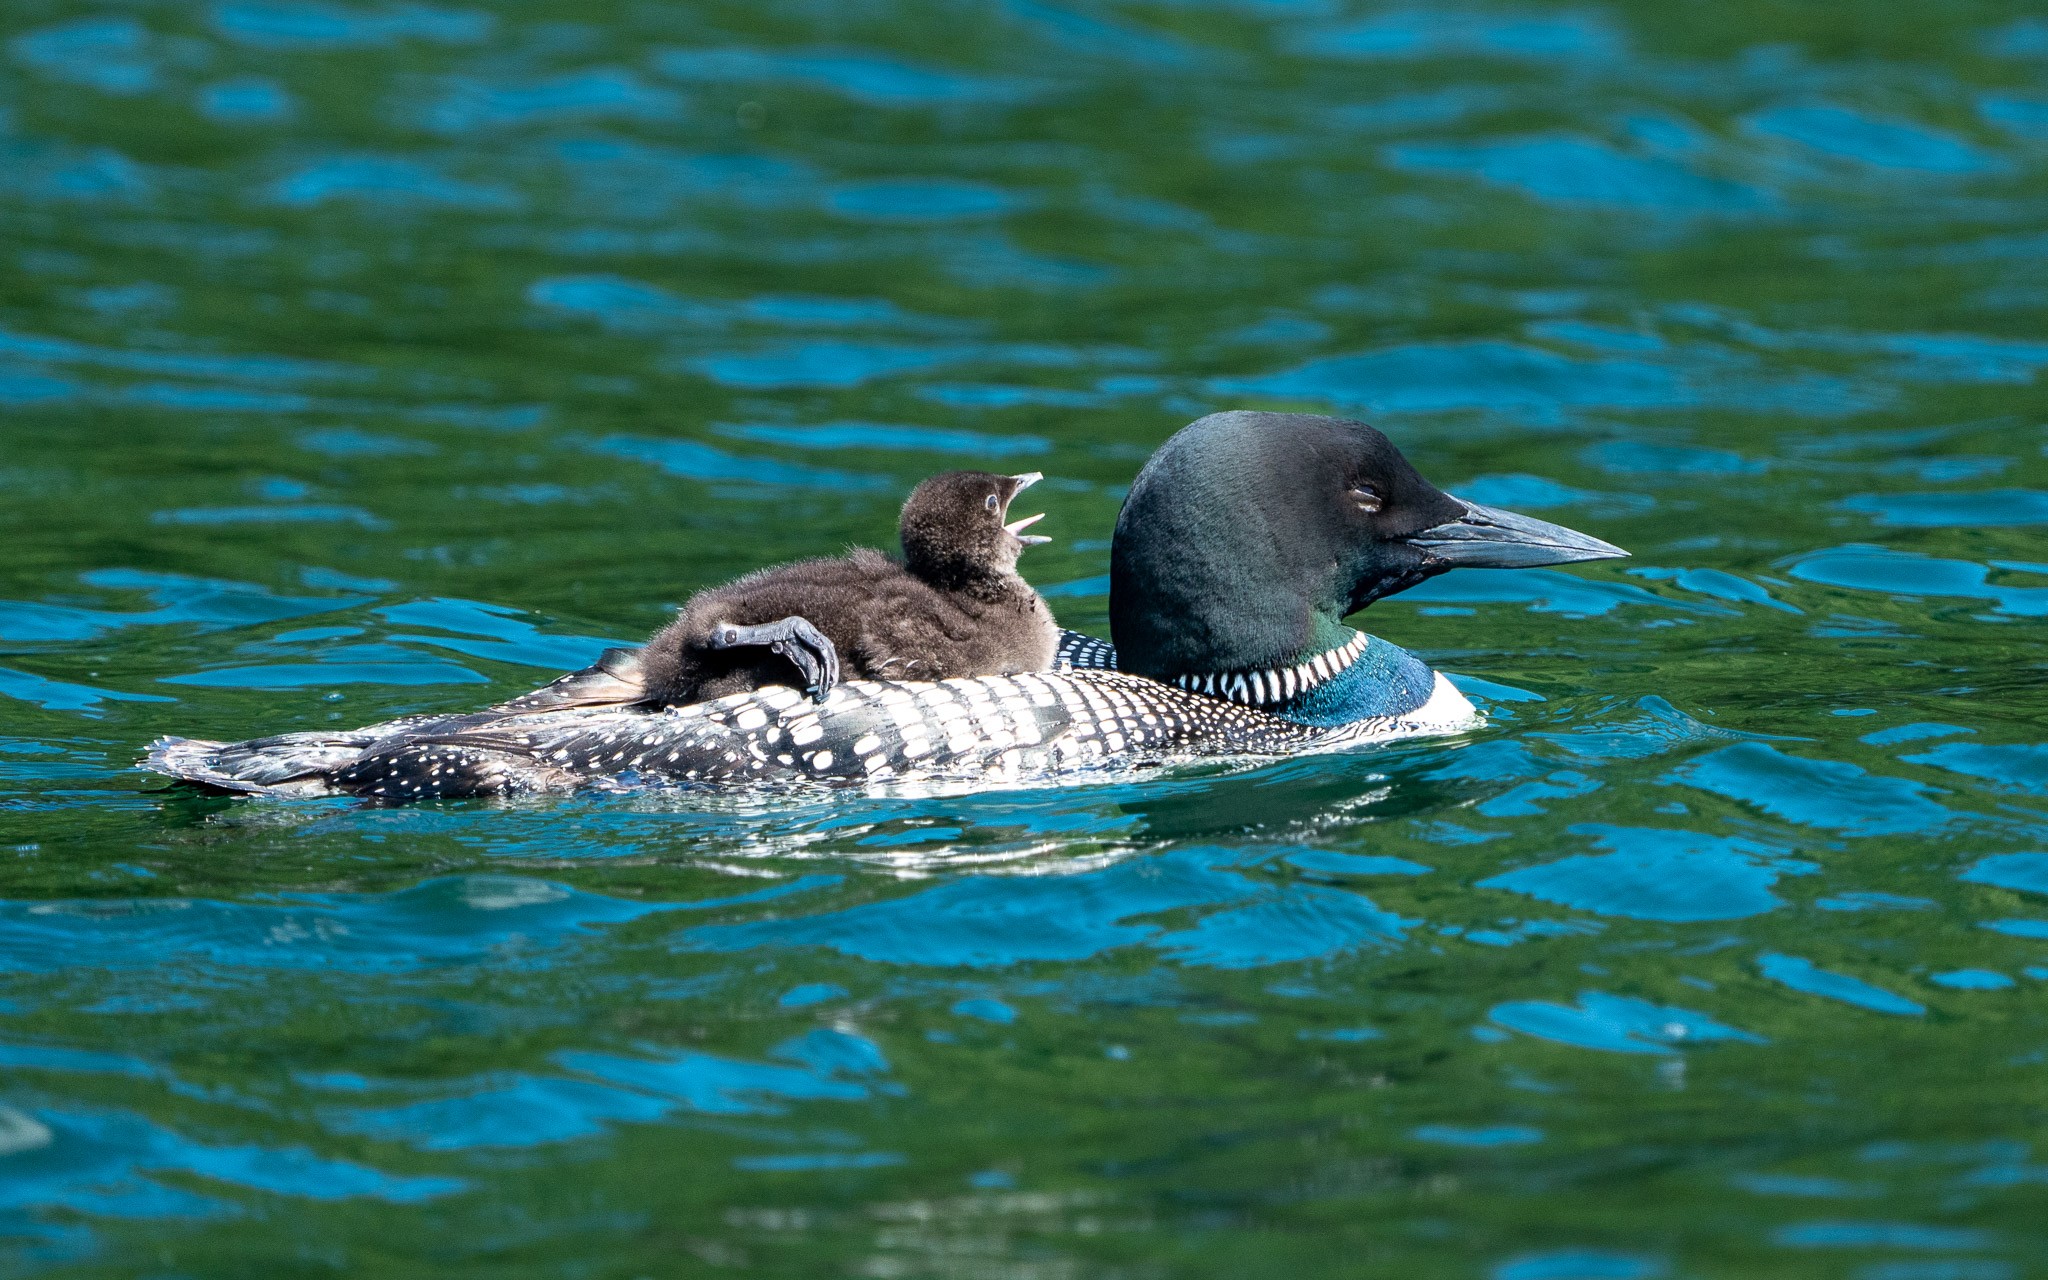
[1489, 538]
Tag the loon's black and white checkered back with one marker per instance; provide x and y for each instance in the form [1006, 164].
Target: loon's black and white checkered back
[1079, 652]
[1037, 725]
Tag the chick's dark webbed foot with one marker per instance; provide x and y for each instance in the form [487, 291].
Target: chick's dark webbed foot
[792, 638]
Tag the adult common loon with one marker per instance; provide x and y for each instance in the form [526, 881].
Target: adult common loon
[1245, 541]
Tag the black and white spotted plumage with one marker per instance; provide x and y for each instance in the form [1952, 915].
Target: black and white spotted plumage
[1078, 652]
[1035, 726]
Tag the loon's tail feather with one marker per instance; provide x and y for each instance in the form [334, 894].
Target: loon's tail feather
[289, 764]
[204, 762]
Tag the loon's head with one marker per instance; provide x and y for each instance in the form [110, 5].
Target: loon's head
[1249, 536]
[953, 527]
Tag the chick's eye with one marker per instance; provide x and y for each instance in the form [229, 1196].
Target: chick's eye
[991, 502]
[1366, 497]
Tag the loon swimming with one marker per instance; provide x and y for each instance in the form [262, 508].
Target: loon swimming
[954, 607]
[1245, 541]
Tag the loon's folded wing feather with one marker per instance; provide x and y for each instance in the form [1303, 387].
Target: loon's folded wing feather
[1038, 724]
[1080, 652]
[614, 679]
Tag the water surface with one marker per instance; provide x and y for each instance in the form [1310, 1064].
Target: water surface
[364, 359]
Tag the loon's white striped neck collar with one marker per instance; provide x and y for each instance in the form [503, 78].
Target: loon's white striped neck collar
[1277, 686]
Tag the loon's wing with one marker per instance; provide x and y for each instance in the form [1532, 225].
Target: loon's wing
[614, 679]
[1078, 652]
[1035, 726]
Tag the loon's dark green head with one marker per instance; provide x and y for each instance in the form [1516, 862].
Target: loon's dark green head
[1249, 536]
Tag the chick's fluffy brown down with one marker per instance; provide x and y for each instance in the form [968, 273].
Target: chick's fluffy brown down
[954, 607]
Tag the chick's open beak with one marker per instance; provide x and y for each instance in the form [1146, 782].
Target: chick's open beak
[1016, 528]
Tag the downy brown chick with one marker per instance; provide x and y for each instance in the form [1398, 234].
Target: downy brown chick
[954, 606]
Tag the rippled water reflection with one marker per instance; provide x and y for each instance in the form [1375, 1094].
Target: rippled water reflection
[359, 359]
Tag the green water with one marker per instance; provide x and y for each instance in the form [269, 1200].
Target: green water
[363, 361]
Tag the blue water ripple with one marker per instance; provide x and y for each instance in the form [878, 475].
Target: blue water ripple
[310, 24]
[879, 435]
[809, 993]
[1937, 1269]
[1547, 591]
[1802, 975]
[623, 304]
[1844, 133]
[1906, 573]
[1329, 862]
[1913, 733]
[1719, 585]
[1615, 1024]
[334, 669]
[1091, 36]
[1577, 1264]
[1505, 377]
[62, 695]
[1637, 457]
[2037, 929]
[350, 442]
[2027, 117]
[693, 460]
[304, 513]
[451, 920]
[1575, 171]
[1794, 1184]
[1438, 32]
[2027, 872]
[202, 603]
[1500, 1135]
[2020, 38]
[1520, 492]
[97, 1162]
[2022, 767]
[831, 1052]
[506, 636]
[1989, 507]
[986, 1009]
[1971, 980]
[107, 54]
[1871, 900]
[713, 1085]
[1296, 922]
[1879, 1235]
[1660, 874]
[1831, 794]
[986, 921]
[595, 93]
[247, 100]
[873, 78]
[234, 368]
[530, 1111]
[921, 200]
[56, 171]
[385, 181]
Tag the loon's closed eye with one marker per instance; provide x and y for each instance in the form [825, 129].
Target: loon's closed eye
[1366, 497]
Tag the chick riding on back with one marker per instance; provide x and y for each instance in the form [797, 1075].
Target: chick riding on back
[954, 606]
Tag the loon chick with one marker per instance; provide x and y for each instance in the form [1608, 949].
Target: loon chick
[1244, 543]
[955, 606]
